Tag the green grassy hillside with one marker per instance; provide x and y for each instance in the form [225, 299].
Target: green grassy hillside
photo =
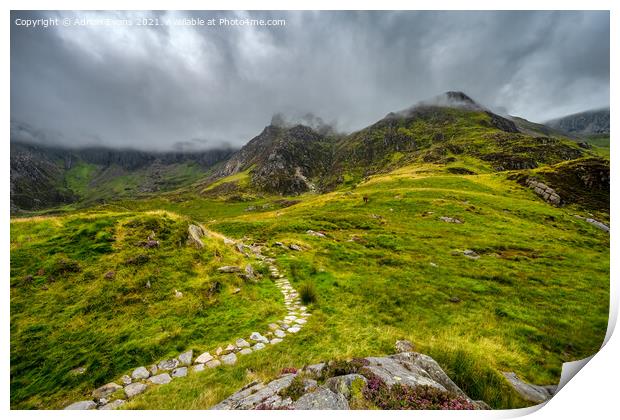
[87, 291]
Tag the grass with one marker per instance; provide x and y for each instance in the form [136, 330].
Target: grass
[386, 270]
[79, 298]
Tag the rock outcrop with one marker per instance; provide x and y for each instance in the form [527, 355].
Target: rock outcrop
[324, 387]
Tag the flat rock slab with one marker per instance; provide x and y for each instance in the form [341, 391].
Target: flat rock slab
[213, 364]
[198, 368]
[112, 405]
[393, 372]
[321, 399]
[229, 359]
[179, 372]
[186, 358]
[82, 405]
[161, 379]
[105, 390]
[140, 373]
[204, 358]
[168, 364]
[255, 394]
[245, 351]
[530, 392]
[134, 389]
[258, 337]
[241, 343]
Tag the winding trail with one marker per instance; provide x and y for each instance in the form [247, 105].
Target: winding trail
[166, 371]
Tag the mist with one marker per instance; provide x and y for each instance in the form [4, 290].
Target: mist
[190, 88]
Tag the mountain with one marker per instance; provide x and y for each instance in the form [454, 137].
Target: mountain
[47, 176]
[291, 158]
[282, 160]
[583, 123]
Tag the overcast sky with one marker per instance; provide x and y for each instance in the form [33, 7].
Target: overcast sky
[165, 87]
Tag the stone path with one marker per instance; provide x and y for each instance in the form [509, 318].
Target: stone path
[165, 371]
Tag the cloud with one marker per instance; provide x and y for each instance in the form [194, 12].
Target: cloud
[159, 87]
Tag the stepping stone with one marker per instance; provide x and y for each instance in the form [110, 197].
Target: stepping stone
[203, 358]
[294, 329]
[241, 343]
[230, 348]
[273, 326]
[198, 368]
[276, 341]
[279, 333]
[186, 358]
[245, 351]
[125, 379]
[153, 369]
[140, 373]
[179, 372]
[258, 346]
[229, 359]
[258, 337]
[285, 326]
[113, 405]
[300, 321]
[105, 390]
[132, 390]
[82, 405]
[219, 351]
[168, 364]
[160, 379]
[213, 364]
[303, 308]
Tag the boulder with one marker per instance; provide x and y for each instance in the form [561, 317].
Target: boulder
[229, 359]
[105, 390]
[529, 392]
[343, 384]
[82, 405]
[195, 235]
[160, 379]
[186, 358]
[112, 405]
[321, 399]
[140, 373]
[471, 254]
[134, 389]
[256, 393]
[393, 371]
[179, 372]
[315, 370]
[204, 358]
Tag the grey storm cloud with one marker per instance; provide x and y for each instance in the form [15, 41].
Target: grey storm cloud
[165, 87]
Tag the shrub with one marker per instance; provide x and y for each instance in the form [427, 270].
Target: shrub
[403, 397]
[295, 390]
[308, 293]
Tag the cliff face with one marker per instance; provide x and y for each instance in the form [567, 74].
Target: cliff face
[585, 123]
[43, 176]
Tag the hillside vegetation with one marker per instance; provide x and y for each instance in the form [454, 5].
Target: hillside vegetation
[424, 226]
